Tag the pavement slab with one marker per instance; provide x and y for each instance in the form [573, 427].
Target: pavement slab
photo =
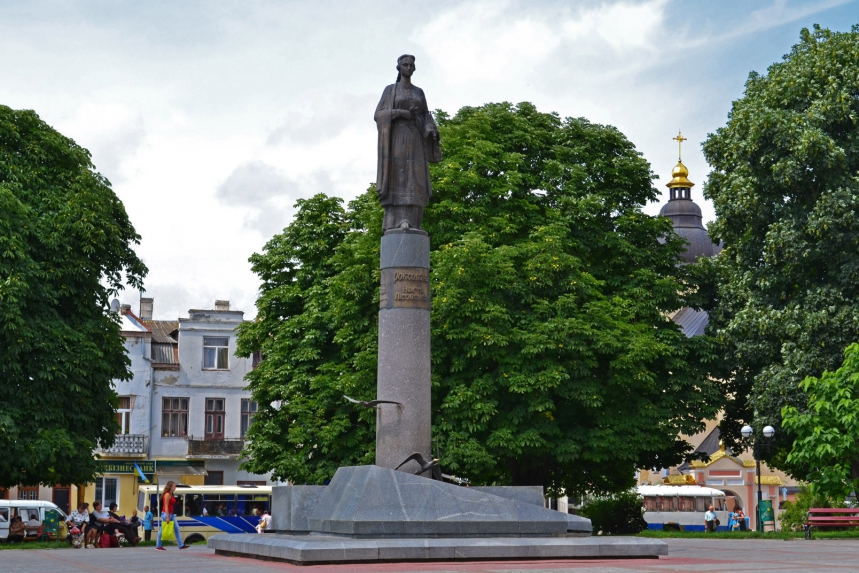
[685, 555]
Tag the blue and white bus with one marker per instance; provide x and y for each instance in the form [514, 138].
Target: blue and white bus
[204, 510]
[683, 506]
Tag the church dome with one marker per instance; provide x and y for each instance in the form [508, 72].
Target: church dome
[686, 216]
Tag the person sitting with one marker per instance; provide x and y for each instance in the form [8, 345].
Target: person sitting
[99, 522]
[32, 526]
[126, 529]
[710, 521]
[80, 518]
[264, 522]
[16, 530]
[33, 521]
[740, 518]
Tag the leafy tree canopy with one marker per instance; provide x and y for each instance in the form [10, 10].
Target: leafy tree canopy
[65, 241]
[554, 361]
[785, 189]
[827, 433]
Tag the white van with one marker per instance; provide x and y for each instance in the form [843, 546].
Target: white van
[9, 508]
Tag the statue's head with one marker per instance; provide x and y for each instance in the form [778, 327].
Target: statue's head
[405, 66]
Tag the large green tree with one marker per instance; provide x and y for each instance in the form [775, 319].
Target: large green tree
[65, 242]
[554, 362]
[785, 295]
[827, 432]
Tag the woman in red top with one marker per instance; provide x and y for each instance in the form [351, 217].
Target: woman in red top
[168, 502]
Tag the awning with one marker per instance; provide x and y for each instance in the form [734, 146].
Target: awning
[181, 471]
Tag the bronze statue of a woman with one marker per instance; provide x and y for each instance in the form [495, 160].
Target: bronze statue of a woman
[408, 140]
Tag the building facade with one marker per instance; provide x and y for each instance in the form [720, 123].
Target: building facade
[183, 414]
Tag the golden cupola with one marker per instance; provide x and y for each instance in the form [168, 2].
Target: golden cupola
[679, 177]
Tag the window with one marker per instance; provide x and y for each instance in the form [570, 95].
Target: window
[687, 504]
[107, 491]
[701, 504]
[650, 503]
[220, 505]
[216, 353]
[251, 504]
[249, 482]
[28, 493]
[214, 418]
[667, 504]
[249, 410]
[4, 514]
[174, 417]
[123, 414]
[214, 478]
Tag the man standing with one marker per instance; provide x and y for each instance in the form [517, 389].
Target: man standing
[147, 523]
[710, 521]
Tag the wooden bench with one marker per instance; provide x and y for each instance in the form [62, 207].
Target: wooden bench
[831, 517]
[32, 533]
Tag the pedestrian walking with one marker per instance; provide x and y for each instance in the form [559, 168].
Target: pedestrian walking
[168, 517]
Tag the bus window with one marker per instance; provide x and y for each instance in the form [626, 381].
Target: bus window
[221, 505]
[650, 503]
[154, 506]
[251, 504]
[667, 504]
[687, 504]
[193, 504]
[179, 508]
[141, 501]
[719, 503]
[701, 504]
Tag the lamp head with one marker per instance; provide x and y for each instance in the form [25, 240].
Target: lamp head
[769, 432]
[747, 431]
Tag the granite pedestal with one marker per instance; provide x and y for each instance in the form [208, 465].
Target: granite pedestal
[404, 350]
[370, 513]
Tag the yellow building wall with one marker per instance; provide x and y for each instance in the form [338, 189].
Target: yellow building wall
[193, 480]
[127, 501]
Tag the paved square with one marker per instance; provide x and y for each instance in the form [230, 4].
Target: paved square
[687, 555]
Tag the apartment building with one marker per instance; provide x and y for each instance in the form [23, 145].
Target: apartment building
[183, 415]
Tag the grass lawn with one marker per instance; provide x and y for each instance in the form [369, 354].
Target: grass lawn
[785, 535]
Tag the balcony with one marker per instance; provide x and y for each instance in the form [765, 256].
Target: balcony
[126, 445]
[207, 448]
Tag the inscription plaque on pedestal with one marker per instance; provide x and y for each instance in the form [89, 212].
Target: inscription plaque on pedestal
[404, 287]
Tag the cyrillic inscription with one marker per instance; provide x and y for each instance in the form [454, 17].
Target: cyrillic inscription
[405, 288]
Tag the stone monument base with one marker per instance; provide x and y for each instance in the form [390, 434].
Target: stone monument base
[320, 549]
[370, 513]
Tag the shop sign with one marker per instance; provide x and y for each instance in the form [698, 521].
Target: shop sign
[125, 466]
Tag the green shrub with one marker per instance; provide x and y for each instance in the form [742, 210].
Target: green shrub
[621, 513]
[794, 513]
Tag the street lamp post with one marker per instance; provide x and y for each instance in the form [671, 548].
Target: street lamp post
[757, 447]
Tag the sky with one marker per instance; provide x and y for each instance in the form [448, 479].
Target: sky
[210, 119]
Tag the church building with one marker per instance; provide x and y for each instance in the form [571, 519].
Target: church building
[733, 474]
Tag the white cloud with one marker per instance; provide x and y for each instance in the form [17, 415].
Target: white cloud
[211, 119]
[113, 132]
[323, 116]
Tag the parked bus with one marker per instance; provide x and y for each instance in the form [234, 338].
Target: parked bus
[683, 506]
[204, 510]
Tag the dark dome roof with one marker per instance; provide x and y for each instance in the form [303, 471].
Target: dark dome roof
[686, 217]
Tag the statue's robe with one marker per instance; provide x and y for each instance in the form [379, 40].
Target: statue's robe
[405, 147]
